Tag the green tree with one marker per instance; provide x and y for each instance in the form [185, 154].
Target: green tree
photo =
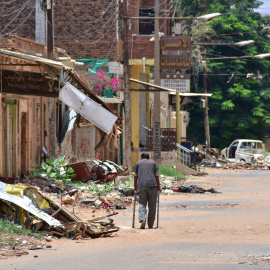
[239, 107]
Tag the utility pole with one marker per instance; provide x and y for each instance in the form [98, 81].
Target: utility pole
[206, 116]
[178, 120]
[156, 117]
[51, 101]
[127, 94]
[50, 34]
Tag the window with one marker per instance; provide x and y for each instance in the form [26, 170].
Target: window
[235, 144]
[259, 145]
[146, 27]
[243, 145]
[253, 145]
[248, 145]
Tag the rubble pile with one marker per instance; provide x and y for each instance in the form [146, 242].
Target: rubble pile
[45, 184]
[37, 202]
[211, 159]
[28, 206]
[96, 170]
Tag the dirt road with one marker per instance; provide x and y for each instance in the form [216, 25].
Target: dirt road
[228, 230]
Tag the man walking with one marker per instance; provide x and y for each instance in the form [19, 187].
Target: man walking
[146, 183]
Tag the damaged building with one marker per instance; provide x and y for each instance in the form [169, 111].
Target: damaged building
[32, 117]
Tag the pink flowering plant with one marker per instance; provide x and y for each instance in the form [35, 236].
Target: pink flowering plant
[102, 84]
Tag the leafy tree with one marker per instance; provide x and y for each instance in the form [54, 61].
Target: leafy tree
[239, 107]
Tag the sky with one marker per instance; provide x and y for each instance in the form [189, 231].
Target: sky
[265, 8]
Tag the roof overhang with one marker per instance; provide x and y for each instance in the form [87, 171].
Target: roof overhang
[51, 67]
[47, 73]
[28, 57]
[141, 86]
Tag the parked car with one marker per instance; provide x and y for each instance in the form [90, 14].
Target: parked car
[245, 150]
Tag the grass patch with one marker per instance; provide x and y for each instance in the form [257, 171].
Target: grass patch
[7, 227]
[10, 234]
[169, 171]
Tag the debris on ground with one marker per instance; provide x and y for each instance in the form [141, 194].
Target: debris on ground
[96, 170]
[172, 184]
[27, 206]
[16, 240]
[194, 189]
[45, 184]
[211, 158]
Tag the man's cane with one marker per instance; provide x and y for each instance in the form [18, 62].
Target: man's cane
[157, 209]
[134, 206]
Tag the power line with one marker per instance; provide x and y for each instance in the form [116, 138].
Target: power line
[17, 16]
[90, 22]
[86, 32]
[7, 10]
[112, 46]
[137, 7]
[8, 2]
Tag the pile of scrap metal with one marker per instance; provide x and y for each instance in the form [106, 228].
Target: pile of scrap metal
[26, 205]
[96, 170]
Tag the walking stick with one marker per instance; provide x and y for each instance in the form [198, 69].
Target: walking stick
[134, 206]
[157, 209]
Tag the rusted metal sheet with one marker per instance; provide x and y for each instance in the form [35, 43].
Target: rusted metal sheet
[7, 180]
[81, 171]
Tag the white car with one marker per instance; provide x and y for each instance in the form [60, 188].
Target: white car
[245, 150]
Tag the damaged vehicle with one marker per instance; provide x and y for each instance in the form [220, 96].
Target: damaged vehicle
[245, 150]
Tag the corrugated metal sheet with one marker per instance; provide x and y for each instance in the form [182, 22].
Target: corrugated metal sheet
[88, 108]
[31, 208]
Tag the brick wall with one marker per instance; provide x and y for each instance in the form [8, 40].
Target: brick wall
[140, 45]
[82, 39]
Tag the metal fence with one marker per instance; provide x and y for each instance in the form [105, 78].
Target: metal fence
[184, 155]
[168, 143]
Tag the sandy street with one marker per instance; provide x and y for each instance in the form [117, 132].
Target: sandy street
[227, 230]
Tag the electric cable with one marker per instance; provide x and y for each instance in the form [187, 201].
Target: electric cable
[8, 2]
[165, 12]
[112, 46]
[6, 10]
[235, 74]
[149, 7]
[97, 39]
[86, 32]
[26, 4]
[90, 22]
[20, 24]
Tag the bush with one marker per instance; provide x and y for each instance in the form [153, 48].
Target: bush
[54, 168]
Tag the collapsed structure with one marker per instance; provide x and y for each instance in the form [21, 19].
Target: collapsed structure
[27, 206]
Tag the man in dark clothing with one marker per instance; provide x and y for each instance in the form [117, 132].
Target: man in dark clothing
[146, 183]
